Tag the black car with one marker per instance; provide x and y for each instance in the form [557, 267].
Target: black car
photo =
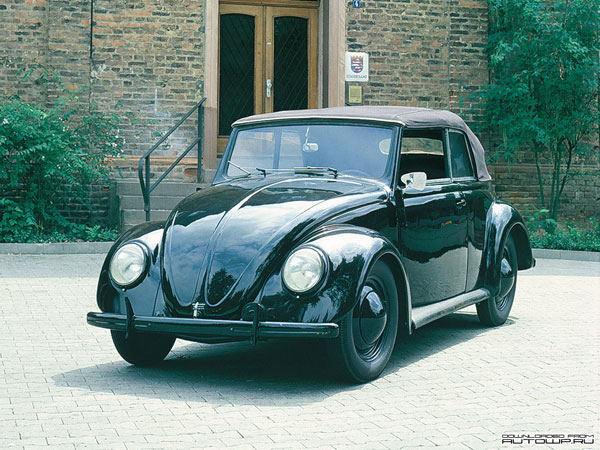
[347, 224]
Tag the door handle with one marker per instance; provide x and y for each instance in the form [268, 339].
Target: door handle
[461, 203]
[269, 86]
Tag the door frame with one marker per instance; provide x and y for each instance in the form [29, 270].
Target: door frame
[290, 3]
[332, 39]
[313, 21]
[265, 12]
[259, 62]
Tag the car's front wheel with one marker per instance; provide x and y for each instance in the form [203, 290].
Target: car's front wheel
[368, 332]
[495, 311]
[142, 349]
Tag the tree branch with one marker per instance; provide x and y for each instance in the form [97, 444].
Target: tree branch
[570, 147]
[539, 173]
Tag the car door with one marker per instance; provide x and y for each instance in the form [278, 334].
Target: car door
[478, 199]
[432, 231]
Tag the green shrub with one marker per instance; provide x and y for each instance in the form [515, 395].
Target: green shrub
[48, 155]
[548, 233]
[17, 225]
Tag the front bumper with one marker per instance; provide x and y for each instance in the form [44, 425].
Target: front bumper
[210, 328]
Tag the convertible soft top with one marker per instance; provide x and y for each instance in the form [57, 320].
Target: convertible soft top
[409, 117]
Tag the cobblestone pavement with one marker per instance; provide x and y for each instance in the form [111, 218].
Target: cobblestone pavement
[453, 384]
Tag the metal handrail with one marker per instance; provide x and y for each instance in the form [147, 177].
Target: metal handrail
[144, 163]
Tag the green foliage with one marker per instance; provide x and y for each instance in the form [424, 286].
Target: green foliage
[543, 96]
[540, 221]
[95, 233]
[18, 225]
[47, 155]
[545, 232]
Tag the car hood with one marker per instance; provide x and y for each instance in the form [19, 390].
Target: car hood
[222, 242]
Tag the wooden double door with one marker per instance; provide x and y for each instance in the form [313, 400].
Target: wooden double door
[267, 60]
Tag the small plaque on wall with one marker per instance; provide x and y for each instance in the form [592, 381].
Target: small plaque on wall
[354, 95]
[357, 66]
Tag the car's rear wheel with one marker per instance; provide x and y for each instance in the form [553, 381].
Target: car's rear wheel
[142, 349]
[495, 311]
[368, 332]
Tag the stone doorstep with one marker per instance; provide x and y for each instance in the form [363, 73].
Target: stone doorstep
[74, 248]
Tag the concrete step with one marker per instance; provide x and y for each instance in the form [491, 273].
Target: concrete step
[162, 200]
[165, 188]
[135, 216]
[156, 201]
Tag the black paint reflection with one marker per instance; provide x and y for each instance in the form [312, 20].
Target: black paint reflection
[221, 252]
[225, 246]
[433, 242]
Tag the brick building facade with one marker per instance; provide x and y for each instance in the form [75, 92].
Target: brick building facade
[151, 60]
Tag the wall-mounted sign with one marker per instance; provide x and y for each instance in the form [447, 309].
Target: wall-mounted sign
[356, 3]
[357, 66]
[354, 95]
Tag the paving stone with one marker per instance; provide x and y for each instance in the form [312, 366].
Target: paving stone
[453, 384]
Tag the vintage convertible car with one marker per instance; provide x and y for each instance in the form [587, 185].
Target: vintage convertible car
[347, 224]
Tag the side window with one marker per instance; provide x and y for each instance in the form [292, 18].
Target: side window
[423, 151]
[459, 155]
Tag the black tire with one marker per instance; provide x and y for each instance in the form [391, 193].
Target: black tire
[494, 311]
[353, 358]
[142, 349]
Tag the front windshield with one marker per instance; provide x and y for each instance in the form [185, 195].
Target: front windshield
[360, 150]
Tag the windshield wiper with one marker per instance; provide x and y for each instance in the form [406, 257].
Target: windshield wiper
[310, 170]
[264, 172]
[247, 172]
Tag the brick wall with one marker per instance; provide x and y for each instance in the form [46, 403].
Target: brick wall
[518, 184]
[147, 48]
[68, 23]
[467, 63]
[421, 53]
[23, 45]
[430, 53]
[102, 207]
[141, 50]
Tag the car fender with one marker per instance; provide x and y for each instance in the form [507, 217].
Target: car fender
[503, 220]
[142, 296]
[350, 252]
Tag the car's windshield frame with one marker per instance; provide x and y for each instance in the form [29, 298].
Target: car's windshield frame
[387, 177]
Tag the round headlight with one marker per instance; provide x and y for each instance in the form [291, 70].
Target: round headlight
[128, 264]
[303, 270]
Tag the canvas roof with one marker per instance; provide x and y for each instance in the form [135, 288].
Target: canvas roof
[409, 117]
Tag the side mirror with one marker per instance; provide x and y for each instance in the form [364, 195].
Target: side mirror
[414, 180]
[310, 147]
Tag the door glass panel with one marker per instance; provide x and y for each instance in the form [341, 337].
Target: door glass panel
[236, 90]
[459, 156]
[290, 74]
[423, 151]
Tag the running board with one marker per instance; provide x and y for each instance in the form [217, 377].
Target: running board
[422, 315]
